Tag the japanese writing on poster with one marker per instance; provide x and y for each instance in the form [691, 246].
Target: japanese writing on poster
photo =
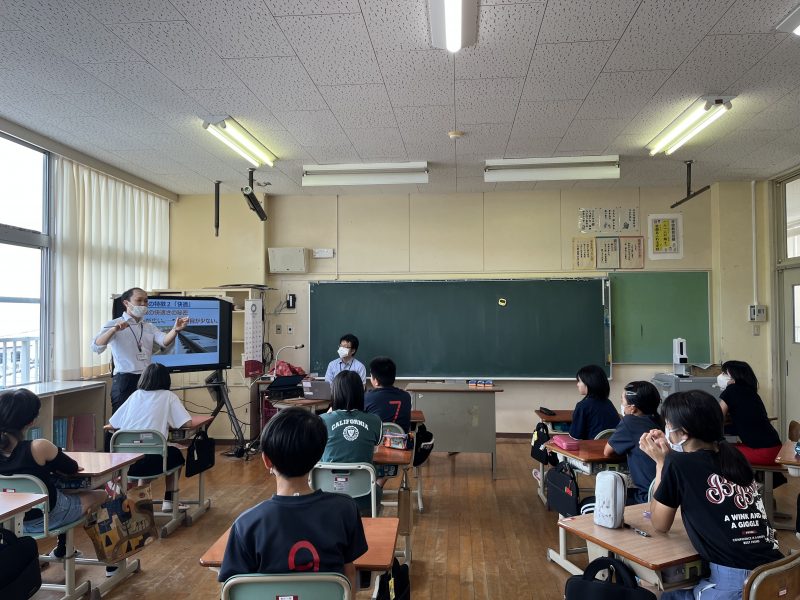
[631, 252]
[608, 220]
[583, 254]
[607, 253]
[665, 236]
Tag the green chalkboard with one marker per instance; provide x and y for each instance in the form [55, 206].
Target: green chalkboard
[546, 328]
[649, 310]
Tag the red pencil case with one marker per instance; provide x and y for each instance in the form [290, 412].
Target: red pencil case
[566, 442]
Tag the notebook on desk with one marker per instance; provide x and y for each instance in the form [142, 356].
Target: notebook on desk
[317, 389]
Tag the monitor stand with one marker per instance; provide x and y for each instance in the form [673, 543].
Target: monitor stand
[215, 384]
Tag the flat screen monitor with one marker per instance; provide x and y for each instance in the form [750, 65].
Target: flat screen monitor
[205, 343]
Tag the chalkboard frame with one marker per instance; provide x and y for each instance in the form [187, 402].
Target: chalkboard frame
[595, 322]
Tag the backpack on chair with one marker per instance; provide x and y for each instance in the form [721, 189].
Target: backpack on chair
[20, 576]
[423, 442]
[586, 587]
[538, 451]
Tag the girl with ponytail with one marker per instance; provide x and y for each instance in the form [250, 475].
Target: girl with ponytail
[712, 483]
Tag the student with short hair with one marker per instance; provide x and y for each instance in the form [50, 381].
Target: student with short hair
[639, 410]
[391, 404]
[352, 433]
[298, 529]
[153, 406]
[595, 412]
[760, 443]
[42, 459]
[712, 483]
[347, 361]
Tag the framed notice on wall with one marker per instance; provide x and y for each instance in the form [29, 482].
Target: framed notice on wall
[607, 253]
[665, 237]
[631, 252]
[583, 254]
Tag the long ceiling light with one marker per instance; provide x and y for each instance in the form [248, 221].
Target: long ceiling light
[453, 23]
[238, 139]
[692, 121]
[791, 24]
[365, 174]
[563, 168]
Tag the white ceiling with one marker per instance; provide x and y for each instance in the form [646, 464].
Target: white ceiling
[130, 82]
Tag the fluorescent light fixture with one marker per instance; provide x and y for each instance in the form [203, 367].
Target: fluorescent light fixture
[454, 23]
[365, 174]
[791, 24]
[692, 121]
[238, 139]
[562, 168]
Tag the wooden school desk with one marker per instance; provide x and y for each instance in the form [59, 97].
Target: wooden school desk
[588, 459]
[100, 468]
[561, 416]
[381, 534]
[404, 459]
[666, 560]
[461, 417]
[14, 505]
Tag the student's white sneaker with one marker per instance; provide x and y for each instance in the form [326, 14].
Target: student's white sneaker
[166, 506]
[59, 553]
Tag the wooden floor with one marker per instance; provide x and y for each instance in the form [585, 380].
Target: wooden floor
[477, 538]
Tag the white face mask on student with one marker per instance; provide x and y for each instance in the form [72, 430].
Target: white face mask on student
[343, 352]
[137, 311]
[676, 447]
[723, 379]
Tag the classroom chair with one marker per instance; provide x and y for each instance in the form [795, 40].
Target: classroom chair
[775, 580]
[605, 434]
[356, 480]
[306, 586]
[151, 442]
[34, 485]
[794, 431]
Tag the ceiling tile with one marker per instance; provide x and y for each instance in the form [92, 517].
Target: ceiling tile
[327, 155]
[487, 100]
[238, 102]
[398, 25]
[335, 49]
[524, 145]
[282, 143]
[473, 184]
[570, 21]
[313, 127]
[565, 71]
[279, 82]
[488, 140]
[469, 165]
[69, 30]
[378, 143]
[781, 116]
[422, 78]
[312, 7]
[681, 24]
[140, 11]
[590, 135]
[115, 108]
[621, 95]
[658, 113]
[176, 50]
[479, 62]
[746, 16]
[358, 106]
[509, 25]
[549, 119]
[737, 145]
[424, 130]
[236, 28]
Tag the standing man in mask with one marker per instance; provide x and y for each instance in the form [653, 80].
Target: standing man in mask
[348, 346]
[131, 340]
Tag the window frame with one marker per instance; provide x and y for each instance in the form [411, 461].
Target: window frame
[779, 190]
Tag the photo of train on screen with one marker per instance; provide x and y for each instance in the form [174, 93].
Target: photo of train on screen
[205, 343]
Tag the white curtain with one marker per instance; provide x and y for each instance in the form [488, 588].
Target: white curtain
[108, 236]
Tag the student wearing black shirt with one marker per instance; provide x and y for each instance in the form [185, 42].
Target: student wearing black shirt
[712, 483]
[595, 412]
[740, 400]
[298, 529]
[391, 404]
[639, 410]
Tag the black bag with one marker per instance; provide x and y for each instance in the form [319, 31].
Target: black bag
[586, 587]
[562, 490]
[423, 442]
[538, 451]
[395, 584]
[20, 576]
[200, 455]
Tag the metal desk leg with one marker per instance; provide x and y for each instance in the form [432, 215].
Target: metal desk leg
[494, 465]
[406, 515]
[541, 492]
[418, 475]
[202, 504]
[561, 558]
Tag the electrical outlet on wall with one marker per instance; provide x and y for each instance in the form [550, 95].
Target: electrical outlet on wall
[278, 328]
[290, 329]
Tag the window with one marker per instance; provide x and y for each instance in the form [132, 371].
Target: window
[24, 245]
[792, 203]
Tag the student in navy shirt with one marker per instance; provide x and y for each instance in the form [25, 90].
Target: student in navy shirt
[639, 410]
[298, 529]
[595, 412]
[391, 404]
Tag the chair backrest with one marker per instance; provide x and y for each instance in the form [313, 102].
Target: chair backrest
[144, 441]
[794, 431]
[28, 484]
[305, 586]
[605, 434]
[353, 479]
[779, 579]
